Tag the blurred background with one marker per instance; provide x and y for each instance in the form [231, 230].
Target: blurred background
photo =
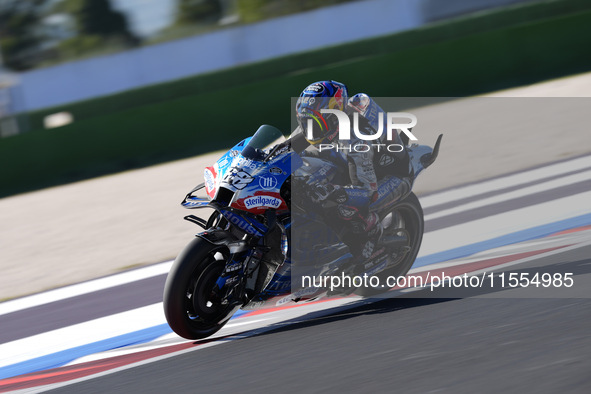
[92, 87]
[110, 110]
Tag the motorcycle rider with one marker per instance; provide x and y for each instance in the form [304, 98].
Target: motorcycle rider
[376, 175]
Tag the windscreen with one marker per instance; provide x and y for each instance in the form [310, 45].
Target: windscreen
[264, 136]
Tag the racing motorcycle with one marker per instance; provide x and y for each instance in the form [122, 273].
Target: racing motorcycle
[260, 234]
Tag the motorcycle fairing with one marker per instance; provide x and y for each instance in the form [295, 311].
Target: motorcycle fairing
[281, 289]
[422, 156]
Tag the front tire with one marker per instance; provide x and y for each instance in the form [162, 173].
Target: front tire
[190, 306]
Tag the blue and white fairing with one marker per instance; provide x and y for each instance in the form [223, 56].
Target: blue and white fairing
[244, 186]
[214, 174]
[422, 156]
[255, 183]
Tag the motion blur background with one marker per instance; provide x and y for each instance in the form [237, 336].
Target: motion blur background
[91, 87]
[110, 110]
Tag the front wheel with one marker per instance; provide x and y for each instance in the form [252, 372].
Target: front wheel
[191, 307]
[405, 218]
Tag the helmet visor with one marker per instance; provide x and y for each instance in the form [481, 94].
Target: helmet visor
[314, 125]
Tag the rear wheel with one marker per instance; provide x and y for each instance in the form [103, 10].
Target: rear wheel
[191, 307]
[404, 219]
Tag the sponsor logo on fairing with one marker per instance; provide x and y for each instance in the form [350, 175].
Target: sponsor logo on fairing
[242, 224]
[224, 162]
[268, 182]
[233, 266]
[246, 163]
[388, 187]
[209, 177]
[262, 201]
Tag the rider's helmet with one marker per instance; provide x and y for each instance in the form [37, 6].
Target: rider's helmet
[317, 96]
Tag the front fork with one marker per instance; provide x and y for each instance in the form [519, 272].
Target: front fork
[245, 257]
[231, 285]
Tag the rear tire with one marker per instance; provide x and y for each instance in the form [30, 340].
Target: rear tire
[410, 216]
[189, 305]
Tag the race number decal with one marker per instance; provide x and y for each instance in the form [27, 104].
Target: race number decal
[238, 178]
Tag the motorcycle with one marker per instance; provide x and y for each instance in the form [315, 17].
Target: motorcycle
[250, 249]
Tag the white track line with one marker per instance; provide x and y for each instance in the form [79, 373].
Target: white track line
[506, 181]
[166, 340]
[580, 237]
[81, 334]
[505, 223]
[540, 187]
[84, 288]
